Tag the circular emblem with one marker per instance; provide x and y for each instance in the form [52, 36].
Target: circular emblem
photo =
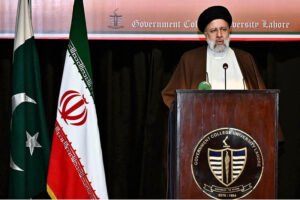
[73, 108]
[227, 164]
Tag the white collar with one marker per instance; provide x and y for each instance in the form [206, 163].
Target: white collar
[217, 55]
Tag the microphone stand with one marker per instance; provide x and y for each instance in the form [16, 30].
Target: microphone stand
[225, 79]
[225, 66]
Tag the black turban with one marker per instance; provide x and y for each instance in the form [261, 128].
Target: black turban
[212, 13]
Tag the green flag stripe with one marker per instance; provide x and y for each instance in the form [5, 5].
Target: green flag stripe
[78, 35]
[81, 67]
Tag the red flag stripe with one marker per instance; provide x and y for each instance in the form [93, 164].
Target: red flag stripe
[73, 182]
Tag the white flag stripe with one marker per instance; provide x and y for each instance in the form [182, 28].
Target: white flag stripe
[24, 29]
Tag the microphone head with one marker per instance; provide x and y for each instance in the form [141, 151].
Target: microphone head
[204, 85]
[225, 66]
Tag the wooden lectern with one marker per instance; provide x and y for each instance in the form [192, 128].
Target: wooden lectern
[195, 115]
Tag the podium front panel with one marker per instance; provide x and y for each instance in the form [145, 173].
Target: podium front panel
[198, 113]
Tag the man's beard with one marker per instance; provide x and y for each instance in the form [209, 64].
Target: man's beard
[218, 48]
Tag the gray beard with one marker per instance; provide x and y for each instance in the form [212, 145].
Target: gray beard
[218, 48]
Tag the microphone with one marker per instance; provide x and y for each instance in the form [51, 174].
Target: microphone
[204, 85]
[225, 67]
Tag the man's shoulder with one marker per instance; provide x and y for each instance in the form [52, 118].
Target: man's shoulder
[240, 52]
[194, 52]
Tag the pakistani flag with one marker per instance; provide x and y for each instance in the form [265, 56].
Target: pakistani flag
[29, 139]
[76, 168]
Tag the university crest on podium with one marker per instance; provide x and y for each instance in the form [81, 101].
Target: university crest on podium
[227, 164]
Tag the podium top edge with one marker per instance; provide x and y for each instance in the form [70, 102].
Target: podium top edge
[267, 91]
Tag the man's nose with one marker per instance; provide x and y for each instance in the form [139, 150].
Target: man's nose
[219, 33]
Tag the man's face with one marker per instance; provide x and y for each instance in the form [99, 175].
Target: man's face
[217, 35]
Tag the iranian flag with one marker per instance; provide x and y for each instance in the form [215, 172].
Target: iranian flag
[29, 139]
[76, 168]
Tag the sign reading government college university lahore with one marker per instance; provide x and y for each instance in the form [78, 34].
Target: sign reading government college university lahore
[157, 20]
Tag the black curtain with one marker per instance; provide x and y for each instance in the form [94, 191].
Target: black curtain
[128, 79]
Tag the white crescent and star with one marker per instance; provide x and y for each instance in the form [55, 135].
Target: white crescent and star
[19, 98]
[13, 165]
[31, 142]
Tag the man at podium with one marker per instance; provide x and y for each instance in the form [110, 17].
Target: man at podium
[216, 64]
